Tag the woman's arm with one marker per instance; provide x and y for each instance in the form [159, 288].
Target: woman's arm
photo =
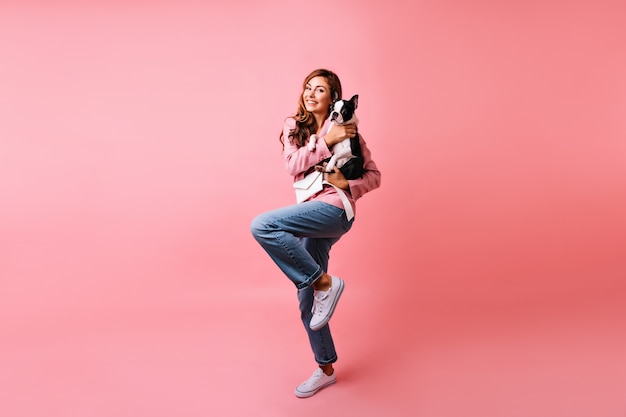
[298, 160]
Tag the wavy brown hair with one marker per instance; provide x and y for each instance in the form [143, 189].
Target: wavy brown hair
[305, 121]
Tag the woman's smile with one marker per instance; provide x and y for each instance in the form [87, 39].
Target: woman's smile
[316, 95]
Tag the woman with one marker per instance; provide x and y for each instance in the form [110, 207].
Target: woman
[299, 237]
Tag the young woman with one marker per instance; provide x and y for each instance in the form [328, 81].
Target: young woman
[299, 237]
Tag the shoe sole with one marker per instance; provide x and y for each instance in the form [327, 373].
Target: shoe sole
[332, 307]
[308, 394]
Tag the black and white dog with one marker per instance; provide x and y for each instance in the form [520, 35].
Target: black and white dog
[347, 154]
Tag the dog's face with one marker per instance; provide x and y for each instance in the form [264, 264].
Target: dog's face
[343, 110]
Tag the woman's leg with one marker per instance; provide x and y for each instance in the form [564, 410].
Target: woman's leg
[280, 233]
[298, 238]
[321, 340]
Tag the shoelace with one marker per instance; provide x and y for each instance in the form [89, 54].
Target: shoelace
[317, 304]
[315, 378]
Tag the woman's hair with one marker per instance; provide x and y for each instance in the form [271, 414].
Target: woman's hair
[305, 121]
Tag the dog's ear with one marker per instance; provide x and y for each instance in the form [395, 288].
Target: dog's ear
[355, 100]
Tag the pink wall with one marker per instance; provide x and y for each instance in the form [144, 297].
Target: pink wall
[137, 141]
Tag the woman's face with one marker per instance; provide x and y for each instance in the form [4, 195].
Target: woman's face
[316, 96]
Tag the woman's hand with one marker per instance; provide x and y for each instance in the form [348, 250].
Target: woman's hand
[338, 133]
[337, 179]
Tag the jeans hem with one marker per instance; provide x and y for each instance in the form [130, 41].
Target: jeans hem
[328, 362]
[310, 281]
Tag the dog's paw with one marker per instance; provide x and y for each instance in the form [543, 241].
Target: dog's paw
[312, 142]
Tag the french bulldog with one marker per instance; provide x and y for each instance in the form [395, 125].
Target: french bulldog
[347, 154]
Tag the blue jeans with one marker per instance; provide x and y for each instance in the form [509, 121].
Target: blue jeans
[298, 238]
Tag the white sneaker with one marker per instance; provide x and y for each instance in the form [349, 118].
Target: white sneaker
[324, 303]
[316, 382]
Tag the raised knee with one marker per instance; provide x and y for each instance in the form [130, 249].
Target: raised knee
[258, 226]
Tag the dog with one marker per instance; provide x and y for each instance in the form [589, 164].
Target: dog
[347, 154]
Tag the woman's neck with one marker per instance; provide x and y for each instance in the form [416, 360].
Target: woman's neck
[320, 122]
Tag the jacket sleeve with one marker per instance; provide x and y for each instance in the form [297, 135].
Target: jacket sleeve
[371, 175]
[298, 160]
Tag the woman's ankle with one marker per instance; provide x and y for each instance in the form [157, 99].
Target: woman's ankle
[323, 283]
[327, 369]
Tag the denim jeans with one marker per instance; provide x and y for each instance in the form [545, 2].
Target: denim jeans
[298, 238]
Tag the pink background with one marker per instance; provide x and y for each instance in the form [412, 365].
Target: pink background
[485, 278]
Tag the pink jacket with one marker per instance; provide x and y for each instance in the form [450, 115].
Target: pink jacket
[298, 160]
